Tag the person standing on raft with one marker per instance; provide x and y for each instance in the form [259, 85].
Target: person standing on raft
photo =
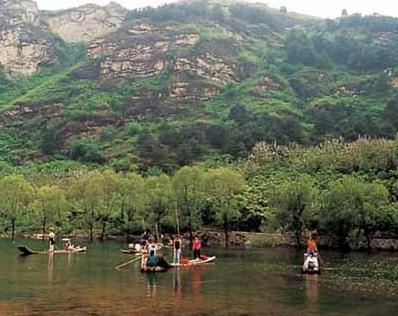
[311, 245]
[196, 246]
[51, 240]
[177, 250]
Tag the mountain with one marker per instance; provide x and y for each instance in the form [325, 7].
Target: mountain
[187, 82]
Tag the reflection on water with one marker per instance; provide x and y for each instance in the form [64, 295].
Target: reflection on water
[151, 284]
[196, 279]
[312, 292]
[312, 288]
[50, 267]
[257, 282]
[176, 280]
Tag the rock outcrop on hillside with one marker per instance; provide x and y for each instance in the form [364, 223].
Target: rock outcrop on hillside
[19, 12]
[25, 50]
[143, 50]
[25, 47]
[27, 34]
[85, 23]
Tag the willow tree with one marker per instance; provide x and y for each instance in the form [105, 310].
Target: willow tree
[15, 196]
[223, 186]
[109, 189]
[294, 203]
[50, 204]
[85, 194]
[351, 204]
[255, 203]
[158, 200]
[189, 194]
[131, 196]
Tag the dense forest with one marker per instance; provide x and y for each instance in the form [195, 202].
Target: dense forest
[297, 133]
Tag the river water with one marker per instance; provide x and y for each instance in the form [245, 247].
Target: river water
[250, 282]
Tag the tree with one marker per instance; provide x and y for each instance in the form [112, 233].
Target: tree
[294, 201]
[240, 114]
[390, 115]
[299, 48]
[223, 187]
[254, 203]
[87, 151]
[49, 144]
[189, 195]
[85, 193]
[15, 196]
[373, 210]
[158, 197]
[353, 204]
[5, 82]
[132, 193]
[50, 203]
[217, 13]
[109, 190]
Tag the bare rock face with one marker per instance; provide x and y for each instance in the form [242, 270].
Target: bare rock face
[183, 90]
[394, 82]
[87, 22]
[267, 83]
[19, 12]
[144, 50]
[27, 112]
[23, 51]
[148, 51]
[208, 66]
[24, 46]
[139, 60]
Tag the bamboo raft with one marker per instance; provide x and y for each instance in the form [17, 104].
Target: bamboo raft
[26, 251]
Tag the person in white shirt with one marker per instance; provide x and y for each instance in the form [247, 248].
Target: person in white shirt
[51, 240]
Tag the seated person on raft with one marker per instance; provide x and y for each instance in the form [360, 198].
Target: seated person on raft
[152, 259]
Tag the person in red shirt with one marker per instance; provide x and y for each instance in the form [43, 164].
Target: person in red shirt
[311, 244]
[196, 245]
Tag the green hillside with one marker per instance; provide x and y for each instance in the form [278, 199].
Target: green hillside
[292, 79]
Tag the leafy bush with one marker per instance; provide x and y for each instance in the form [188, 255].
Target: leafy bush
[87, 151]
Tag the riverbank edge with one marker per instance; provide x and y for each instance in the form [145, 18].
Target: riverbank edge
[247, 240]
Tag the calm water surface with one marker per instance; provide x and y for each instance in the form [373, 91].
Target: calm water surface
[255, 282]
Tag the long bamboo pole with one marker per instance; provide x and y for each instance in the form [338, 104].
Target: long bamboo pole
[157, 232]
[128, 262]
[177, 219]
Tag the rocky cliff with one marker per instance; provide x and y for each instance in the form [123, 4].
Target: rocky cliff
[19, 12]
[198, 67]
[25, 46]
[85, 23]
[27, 34]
